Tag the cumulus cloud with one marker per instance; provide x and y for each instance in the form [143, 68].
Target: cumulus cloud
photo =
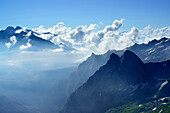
[22, 47]
[89, 39]
[115, 26]
[148, 33]
[12, 42]
[18, 31]
[49, 33]
[79, 42]
[8, 45]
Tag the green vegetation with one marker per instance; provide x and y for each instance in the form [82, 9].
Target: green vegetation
[154, 106]
[165, 108]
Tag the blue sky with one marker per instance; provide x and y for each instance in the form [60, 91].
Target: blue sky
[33, 13]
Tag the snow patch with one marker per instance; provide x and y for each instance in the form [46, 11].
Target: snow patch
[19, 31]
[163, 84]
[154, 109]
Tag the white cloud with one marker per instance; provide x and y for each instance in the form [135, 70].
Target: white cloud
[88, 39]
[47, 34]
[148, 33]
[11, 63]
[115, 26]
[18, 31]
[28, 45]
[57, 50]
[25, 46]
[8, 44]
[12, 42]
[101, 23]
[80, 42]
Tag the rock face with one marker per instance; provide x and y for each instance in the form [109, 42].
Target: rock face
[132, 68]
[121, 80]
[159, 70]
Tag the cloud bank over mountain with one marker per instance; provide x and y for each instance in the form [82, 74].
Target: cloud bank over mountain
[77, 43]
[89, 39]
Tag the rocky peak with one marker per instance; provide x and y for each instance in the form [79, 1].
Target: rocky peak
[92, 54]
[130, 59]
[114, 60]
[163, 39]
[18, 27]
[133, 70]
[10, 30]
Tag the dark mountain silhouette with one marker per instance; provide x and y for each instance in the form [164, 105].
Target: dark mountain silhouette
[57, 97]
[121, 80]
[160, 70]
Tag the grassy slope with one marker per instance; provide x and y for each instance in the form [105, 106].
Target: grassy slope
[147, 107]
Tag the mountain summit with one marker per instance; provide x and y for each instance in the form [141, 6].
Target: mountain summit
[132, 68]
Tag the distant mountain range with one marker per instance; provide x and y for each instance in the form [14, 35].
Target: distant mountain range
[122, 80]
[19, 38]
[9, 106]
[25, 39]
[154, 51]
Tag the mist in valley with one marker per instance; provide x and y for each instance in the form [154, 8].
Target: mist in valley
[27, 76]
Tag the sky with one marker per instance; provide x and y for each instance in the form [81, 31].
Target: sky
[80, 28]
[33, 13]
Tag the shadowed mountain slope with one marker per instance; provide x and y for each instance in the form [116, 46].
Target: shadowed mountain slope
[122, 80]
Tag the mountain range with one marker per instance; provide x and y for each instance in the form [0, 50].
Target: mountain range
[9, 106]
[122, 80]
[19, 38]
[154, 51]
[135, 74]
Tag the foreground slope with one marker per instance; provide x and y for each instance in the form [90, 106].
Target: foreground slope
[160, 103]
